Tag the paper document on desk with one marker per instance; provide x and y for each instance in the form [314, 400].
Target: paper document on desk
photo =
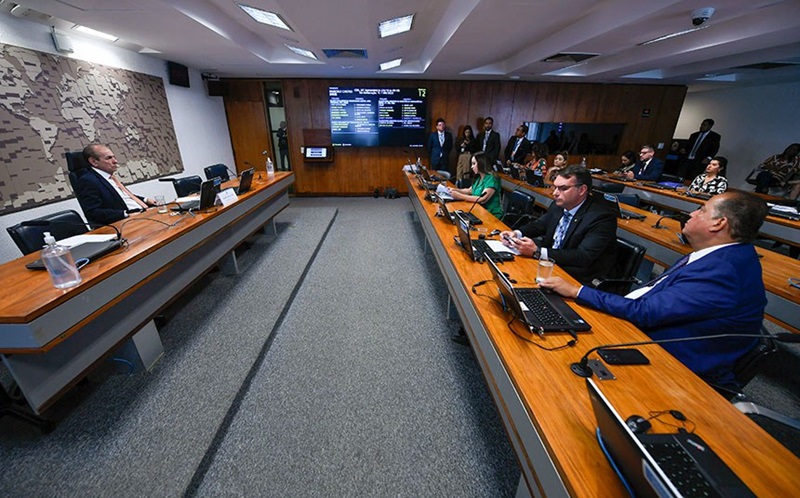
[442, 192]
[497, 246]
[77, 240]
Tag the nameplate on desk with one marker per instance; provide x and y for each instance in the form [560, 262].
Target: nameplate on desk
[227, 197]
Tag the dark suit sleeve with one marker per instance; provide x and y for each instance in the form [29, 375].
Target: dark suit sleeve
[94, 202]
[539, 226]
[523, 151]
[710, 146]
[509, 148]
[690, 296]
[493, 148]
[597, 233]
[654, 171]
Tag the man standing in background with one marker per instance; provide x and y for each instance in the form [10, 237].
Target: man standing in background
[703, 145]
[440, 143]
[489, 141]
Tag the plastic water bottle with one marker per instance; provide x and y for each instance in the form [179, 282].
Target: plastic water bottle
[583, 162]
[59, 263]
[270, 167]
[419, 163]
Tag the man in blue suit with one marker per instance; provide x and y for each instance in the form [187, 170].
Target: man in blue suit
[440, 143]
[647, 168]
[102, 196]
[716, 289]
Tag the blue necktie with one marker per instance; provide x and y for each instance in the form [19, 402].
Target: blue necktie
[679, 264]
[561, 229]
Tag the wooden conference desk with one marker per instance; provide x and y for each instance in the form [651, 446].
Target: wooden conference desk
[774, 227]
[49, 337]
[545, 407]
[664, 248]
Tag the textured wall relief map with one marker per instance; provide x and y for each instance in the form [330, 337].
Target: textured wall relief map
[51, 104]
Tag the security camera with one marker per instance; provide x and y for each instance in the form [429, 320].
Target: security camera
[699, 16]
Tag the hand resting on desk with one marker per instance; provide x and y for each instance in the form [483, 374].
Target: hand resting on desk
[561, 286]
[525, 246]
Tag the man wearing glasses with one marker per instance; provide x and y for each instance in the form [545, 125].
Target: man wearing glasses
[647, 168]
[579, 232]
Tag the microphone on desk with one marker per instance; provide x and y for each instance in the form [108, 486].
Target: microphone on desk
[466, 216]
[47, 223]
[681, 217]
[582, 369]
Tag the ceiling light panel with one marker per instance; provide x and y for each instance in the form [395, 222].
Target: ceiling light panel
[95, 33]
[265, 17]
[391, 64]
[395, 26]
[301, 51]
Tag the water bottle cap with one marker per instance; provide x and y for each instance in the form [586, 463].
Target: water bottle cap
[49, 239]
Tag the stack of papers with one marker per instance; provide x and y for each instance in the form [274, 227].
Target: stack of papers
[442, 192]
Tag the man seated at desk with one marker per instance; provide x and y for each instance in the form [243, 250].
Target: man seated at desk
[103, 197]
[647, 168]
[717, 289]
[579, 231]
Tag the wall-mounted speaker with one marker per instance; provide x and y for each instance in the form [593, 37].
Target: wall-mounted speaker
[178, 74]
[217, 88]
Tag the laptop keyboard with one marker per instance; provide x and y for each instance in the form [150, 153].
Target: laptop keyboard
[540, 307]
[679, 466]
[473, 220]
[482, 247]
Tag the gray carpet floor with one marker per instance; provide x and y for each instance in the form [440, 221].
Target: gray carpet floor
[325, 367]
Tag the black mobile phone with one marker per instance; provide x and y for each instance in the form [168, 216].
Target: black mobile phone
[623, 357]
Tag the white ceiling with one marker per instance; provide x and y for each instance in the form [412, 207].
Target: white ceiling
[455, 39]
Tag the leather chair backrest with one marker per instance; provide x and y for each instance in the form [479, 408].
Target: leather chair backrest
[665, 177]
[76, 165]
[611, 188]
[629, 258]
[187, 185]
[519, 203]
[217, 170]
[629, 199]
[31, 238]
[748, 365]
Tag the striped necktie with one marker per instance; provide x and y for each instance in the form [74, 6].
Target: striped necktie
[561, 229]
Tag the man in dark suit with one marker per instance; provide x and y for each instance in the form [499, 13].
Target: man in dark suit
[717, 289]
[489, 141]
[440, 143]
[102, 196]
[702, 146]
[518, 146]
[647, 168]
[579, 231]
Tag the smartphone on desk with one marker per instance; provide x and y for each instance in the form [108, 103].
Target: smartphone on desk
[623, 357]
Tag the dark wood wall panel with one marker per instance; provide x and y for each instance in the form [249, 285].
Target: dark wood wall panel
[357, 171]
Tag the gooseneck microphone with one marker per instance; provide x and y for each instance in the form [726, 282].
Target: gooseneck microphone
[582, 369]
[681, 217]
[47, 223]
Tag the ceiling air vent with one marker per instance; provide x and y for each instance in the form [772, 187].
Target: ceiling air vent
[569, 57]
[346, 53]
[763, 66]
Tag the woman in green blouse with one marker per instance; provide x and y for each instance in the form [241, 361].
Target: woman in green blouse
[485, 190]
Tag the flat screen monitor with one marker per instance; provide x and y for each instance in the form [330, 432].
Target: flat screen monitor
[577, 138]
[378, 117]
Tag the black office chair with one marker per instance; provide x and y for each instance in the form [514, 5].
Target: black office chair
[217, 170]
[623, 275]
[63, 224]
[629, 199]
[519, 206]
[184, 186]
[76, 165]
[611, 188]
[665, 177]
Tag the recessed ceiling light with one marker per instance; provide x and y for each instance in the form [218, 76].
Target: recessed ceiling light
[349, 66]
[513, 77]
[265, 17]
[391, 64]
[95, 33]
[395, 26]
[301, 51]
[147, 50]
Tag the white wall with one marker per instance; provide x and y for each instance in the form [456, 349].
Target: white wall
[200, 123]
[755, 123]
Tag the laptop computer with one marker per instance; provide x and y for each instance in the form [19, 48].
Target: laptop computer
[245, 181]
[673, 465]
[208, 194]
[88, 251]
[622, 213]
[474, 220]
[541, 310]
[477, 249]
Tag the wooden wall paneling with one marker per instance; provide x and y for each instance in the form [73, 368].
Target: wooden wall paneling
[546, 100]
[668, 112]
[457, 112]
[568, 103]
[524, 103]
[480, 102]
[502, 109]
